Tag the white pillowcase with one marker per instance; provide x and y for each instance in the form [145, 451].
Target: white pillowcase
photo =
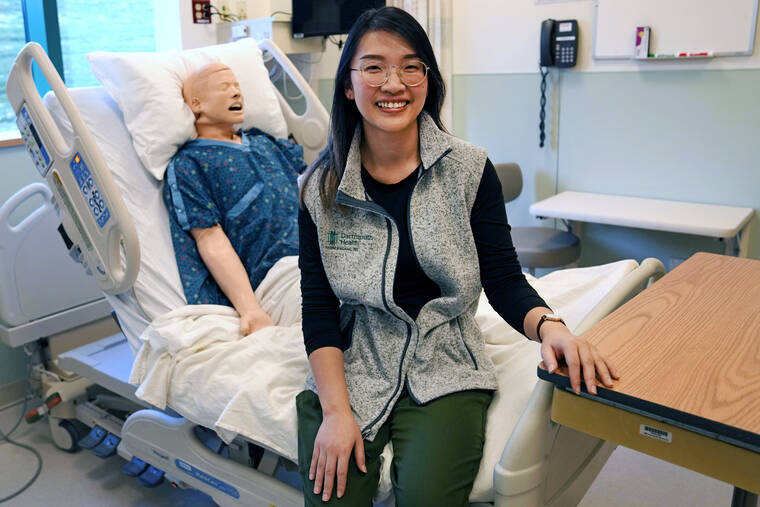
[148, 89]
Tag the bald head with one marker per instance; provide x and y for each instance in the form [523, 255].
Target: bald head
[196, 84]
[213, 94]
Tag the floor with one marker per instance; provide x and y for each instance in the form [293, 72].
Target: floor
[79, 479]
[629, 479]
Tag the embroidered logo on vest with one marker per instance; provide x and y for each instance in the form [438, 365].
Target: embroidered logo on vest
[347, 242]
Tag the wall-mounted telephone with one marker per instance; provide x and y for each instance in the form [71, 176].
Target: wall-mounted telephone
[559, 43]
[559, 48]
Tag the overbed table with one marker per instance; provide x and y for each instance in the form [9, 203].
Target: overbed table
[688, 348]
[728, 223]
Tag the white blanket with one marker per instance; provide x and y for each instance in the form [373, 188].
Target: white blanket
[194, 360]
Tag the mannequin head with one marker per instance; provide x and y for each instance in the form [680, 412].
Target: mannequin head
[213, 94]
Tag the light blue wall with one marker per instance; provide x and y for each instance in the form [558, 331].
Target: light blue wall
[681, 135]
[500, 112]
[17, 171]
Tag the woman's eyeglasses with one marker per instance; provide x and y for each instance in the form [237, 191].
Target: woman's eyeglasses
[377, 74]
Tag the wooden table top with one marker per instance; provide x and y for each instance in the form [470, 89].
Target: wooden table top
[688, 348]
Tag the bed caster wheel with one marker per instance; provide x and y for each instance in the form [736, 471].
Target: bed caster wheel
[65, 435]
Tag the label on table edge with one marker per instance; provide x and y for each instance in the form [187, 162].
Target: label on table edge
[656, 433]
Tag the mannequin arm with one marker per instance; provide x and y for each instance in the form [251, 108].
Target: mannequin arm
[230, 274]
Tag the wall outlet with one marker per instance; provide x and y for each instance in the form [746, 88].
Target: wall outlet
[201, 11]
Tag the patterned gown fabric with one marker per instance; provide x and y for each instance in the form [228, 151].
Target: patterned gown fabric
[249, 189]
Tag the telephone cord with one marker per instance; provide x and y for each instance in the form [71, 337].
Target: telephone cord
[542, 113]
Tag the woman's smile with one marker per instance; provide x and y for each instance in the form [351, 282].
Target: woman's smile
[392, 106]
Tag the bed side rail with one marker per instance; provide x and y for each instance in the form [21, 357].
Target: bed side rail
[310, 128]
[84, 191]
[649, 271]
[519, 477]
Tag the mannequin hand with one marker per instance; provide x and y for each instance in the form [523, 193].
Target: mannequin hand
[582, 358]
[252, 321]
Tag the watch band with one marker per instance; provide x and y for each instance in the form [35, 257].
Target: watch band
[550, 317]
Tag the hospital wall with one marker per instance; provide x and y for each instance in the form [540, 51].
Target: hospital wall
[684, 131]
[681, 135]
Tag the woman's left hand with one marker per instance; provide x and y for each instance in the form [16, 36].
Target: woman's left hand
[582, 358]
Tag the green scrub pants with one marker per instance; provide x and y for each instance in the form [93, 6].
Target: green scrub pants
[437, 449]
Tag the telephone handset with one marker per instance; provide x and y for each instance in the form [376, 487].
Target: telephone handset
[559, 43]
[559, 48]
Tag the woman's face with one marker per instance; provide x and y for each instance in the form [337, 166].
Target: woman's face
[394, 106]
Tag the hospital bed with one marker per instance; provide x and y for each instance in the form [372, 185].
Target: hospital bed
[81, 147]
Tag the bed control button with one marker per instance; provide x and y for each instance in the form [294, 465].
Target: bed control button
[134, 467]
[93, 438]
[151, 477]
[107, 447]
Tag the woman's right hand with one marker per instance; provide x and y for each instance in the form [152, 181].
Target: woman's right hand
[338, 435]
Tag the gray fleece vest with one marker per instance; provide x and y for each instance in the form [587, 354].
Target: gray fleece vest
[443, 350]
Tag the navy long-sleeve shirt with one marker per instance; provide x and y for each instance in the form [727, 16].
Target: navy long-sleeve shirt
[505, 285]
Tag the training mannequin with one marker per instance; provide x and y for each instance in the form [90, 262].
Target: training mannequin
[232, 199]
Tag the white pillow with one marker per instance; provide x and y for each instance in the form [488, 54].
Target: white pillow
[148, 89]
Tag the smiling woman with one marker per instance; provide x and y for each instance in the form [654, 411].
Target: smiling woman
[389, 323]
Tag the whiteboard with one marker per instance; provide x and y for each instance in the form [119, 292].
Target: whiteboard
[724, 27]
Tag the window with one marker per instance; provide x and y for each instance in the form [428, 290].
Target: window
[116, 25]
[12, 39]
[84, 26]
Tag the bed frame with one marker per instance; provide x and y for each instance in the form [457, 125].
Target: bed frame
[542, 464]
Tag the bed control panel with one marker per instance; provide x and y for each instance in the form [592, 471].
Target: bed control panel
[32, 140]
[89, 189]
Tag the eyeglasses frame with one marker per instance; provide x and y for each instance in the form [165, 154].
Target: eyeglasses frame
[398, 73]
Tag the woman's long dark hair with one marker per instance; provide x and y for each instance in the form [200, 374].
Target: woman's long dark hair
[345, 115]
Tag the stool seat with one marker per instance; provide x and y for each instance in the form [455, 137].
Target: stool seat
[541, 247]
[537, 247]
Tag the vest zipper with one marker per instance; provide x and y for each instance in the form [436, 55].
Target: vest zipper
[409, 220]
[411, 243]
[342, 198]
[371, 206]
[365, 430]
[409, 207]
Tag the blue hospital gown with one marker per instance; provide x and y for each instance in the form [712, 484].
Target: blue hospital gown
[248, 188]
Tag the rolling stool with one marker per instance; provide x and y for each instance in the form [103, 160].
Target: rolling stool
[537, 247]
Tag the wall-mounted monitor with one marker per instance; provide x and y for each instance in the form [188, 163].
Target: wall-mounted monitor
[328, 17]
